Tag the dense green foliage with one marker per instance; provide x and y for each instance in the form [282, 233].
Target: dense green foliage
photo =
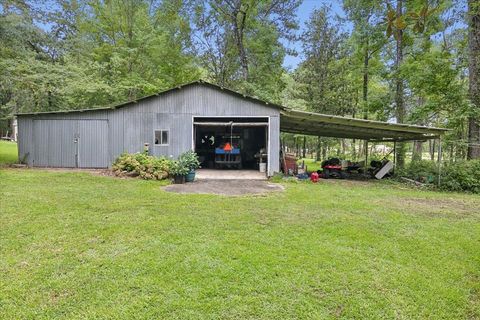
[93, 53]
[423, 171]
[462, 176]
[154, 168]
[179, 168]
[190, 160]
[142, 165]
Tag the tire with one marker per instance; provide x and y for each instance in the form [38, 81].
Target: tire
[326, 173]
[335, 175]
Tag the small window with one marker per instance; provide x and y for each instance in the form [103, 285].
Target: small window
[161, 137]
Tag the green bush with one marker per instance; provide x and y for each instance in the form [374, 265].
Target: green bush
[423, 171]
[142, 165]
[179, 168]
[463, 176]
[189, 159]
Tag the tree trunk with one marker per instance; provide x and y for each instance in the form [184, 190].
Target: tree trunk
[432, 149]
[365, 86]
[474, 74]
[354, 150]
[365, 81]
[417, 151]
[399, 101]
[239, 26]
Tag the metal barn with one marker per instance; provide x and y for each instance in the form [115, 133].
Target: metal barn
[171, 122]
[197, 116]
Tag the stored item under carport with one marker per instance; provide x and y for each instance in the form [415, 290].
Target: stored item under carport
[289, 164]
[332, 168]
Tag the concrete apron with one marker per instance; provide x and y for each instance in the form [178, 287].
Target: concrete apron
[226, 187]
[211, 174]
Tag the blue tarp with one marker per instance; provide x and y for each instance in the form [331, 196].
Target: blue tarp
[221, 151]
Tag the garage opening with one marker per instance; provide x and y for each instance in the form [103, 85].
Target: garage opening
[232, 143]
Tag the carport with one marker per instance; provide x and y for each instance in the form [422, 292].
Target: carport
[316, 124]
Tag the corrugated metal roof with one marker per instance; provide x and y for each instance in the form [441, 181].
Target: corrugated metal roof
[124, 104]
[310, 123]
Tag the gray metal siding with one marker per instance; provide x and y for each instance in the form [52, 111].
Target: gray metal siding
[54, 143]
[25, 140]
[132, 126]
[274, 147]
[175, 112]
[41, 143]
[93, 151]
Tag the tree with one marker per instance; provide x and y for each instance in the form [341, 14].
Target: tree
[400, 111]
[322, 71]
[325, 74]
[139, 48]
[397, 22]
[26, 80]
[474, 78]
[238, 42]
[368, 40]
[93, 53]
[367, 36]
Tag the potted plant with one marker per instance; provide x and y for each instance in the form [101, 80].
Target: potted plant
[190, 159]
[179, 170]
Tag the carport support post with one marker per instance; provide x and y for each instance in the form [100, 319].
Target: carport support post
[366, 157]
[439, 160]
[394, 156]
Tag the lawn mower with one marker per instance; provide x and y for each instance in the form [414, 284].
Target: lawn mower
[332, 168]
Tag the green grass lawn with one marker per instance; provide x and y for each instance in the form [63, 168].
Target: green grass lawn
[8, 152]
[76, 246]
[311, 164]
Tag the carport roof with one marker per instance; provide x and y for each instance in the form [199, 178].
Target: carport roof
[309, 123]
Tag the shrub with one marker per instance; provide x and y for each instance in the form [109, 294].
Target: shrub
[423, 171]
[178, 167]
[461, 176]
[190, 160]
[143, 165]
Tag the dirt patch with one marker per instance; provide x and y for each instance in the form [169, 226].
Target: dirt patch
[351, 182]
[438, 207]
[440, 203]
[225, 187]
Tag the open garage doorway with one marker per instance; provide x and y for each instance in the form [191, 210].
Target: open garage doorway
[232, 142]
